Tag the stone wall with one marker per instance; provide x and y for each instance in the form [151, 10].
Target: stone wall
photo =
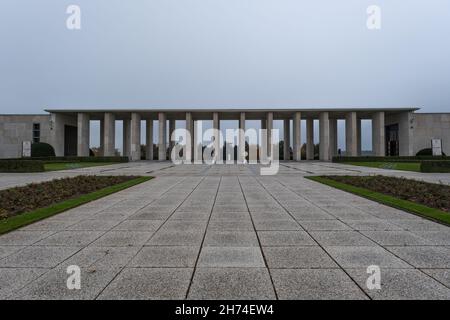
[429, 126]
[14, 129]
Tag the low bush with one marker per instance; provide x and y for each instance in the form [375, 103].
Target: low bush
[42, 149]
[17, 200]
[427, 152]
[435, 166]
[429, 194]
[21, 166]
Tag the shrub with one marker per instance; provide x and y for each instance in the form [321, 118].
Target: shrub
[427, 152]
[435, 166]
[42, 149]
[21, 166]
[429, 194]
[39, 195]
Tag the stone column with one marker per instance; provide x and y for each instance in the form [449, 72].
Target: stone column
[190, 128]
[135, 136]
[324, 149]
[126, 138]
[149, 139]
[241, 147]
[351, 134]
[333, 138]
[101, 149]
[83, 135]
[405, 133]
[359, 136]
[263, 146]
[109, 134]
[297, 130]
[378, 135]
[310, 139]
[287, 139]
[269, 133]
[162, 147]
[198, 148]
[216, 136]
[171, 130]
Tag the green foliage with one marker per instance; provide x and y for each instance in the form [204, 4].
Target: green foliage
[11, 223]
[435, 166]
[38, 195]
[406, 205]
[42, 149]
[426, 152]
[21, 166]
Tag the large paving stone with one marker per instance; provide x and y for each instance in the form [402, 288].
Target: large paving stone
[139, 225]
[166, 256]
[419, 225]
[222, 257]
[424, 257]
[280, 225]
[441, 238]
[53, 285]
[13, 279]
[70, 238]
[324, 225]
[23, 238]
[232, 225]
[231, 239]
[8, 250]
[231, 284]
[297, 257]
[123, 239]
[402, 284]
[372, 224]
[149, 284]
[103, 257]
[341, 238]
[49, 225]
[177, 225]
[315, 284]
[94, 225]
[441, 275]
[396, 238]
[285, 238]
[362, 257]
[176, 238]
[38, 257]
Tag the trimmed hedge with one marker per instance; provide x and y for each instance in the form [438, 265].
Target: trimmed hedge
[21, 166]
[427, 152]
[42, 149]
[435, 166]
[388, 159]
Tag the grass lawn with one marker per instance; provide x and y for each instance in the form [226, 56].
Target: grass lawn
[406, 205]
[405, 166]
[56, 166]
[23, 219]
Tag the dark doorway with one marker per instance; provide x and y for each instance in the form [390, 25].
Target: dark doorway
[70, 141]
[392, 145]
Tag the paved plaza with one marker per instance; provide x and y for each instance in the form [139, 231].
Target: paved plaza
[226, 232]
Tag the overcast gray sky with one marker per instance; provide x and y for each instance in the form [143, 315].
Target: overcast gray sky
[220, 53]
